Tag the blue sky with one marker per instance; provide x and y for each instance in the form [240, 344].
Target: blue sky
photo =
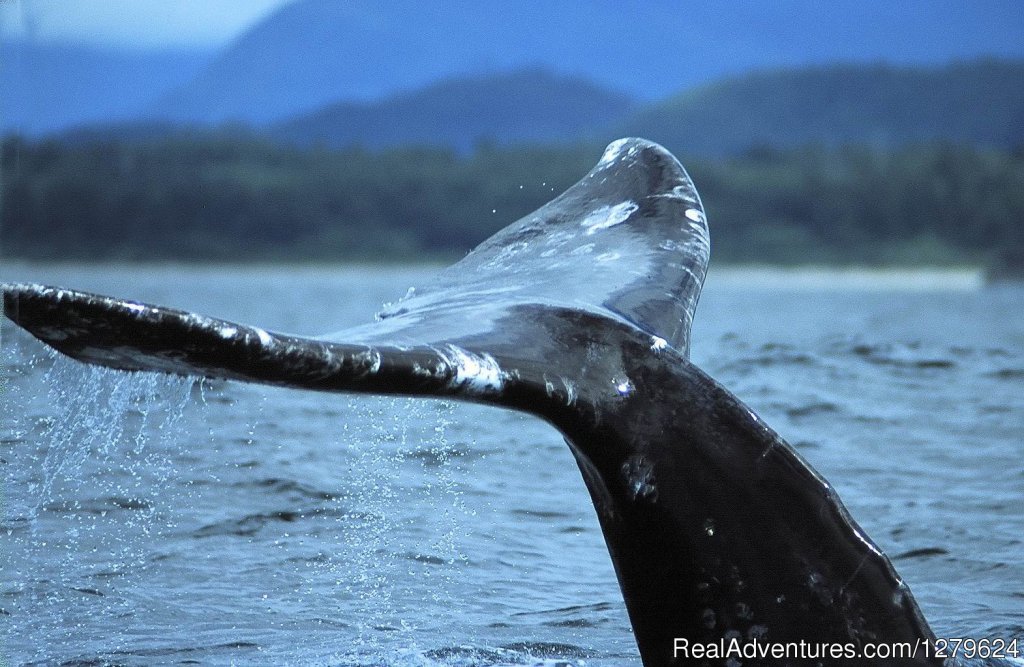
[146, 24]
[152, 23]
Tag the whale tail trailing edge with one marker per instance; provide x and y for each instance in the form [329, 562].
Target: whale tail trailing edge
[579, 313]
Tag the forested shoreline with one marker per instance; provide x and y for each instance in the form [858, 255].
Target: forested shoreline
[217, 197]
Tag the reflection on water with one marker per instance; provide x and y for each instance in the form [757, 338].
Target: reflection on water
[150, 520]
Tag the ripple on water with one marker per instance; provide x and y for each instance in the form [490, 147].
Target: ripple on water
[904, 355]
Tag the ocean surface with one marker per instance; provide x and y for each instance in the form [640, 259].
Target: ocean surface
[159, 520]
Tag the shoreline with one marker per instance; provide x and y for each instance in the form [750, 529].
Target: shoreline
[727, 276]
[822, 277]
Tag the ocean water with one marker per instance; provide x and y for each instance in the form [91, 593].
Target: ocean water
[156, 520]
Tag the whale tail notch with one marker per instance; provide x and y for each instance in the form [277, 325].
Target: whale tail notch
[579, 313]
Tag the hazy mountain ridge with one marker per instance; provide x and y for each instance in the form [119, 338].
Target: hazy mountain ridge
[979, 103]
[312, 53]
[316, 52]
[531, 106]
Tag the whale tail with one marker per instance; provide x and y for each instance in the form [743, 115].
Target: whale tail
[580, 313]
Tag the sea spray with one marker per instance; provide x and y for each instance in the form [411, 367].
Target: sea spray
[388, 559]
[98, 480]
[446, 492]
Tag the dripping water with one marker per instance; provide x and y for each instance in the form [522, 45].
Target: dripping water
[400, 459]
[99, 479]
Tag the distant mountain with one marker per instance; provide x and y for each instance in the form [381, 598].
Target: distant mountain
[531, 106]
[50, 87]
[316, 52]
[980, 103]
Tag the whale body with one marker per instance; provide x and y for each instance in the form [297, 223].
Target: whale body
[580, 314]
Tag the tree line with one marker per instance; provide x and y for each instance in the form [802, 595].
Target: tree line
[223, 197]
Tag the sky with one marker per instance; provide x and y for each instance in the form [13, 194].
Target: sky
[159, 24]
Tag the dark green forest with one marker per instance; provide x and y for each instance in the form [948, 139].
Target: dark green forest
[224, 197]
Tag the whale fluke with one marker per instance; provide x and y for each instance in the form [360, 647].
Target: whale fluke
[580, 313]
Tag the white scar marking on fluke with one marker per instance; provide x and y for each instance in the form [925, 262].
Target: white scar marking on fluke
[608, 216]
[371, 359]
[263, 336]
[680, 192]
[228, 332]
[570, 392]
[612, 152]
[695, 215]
[137, 307]
[476, 373]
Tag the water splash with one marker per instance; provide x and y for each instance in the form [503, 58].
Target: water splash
[400, 459]
[97, 476]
